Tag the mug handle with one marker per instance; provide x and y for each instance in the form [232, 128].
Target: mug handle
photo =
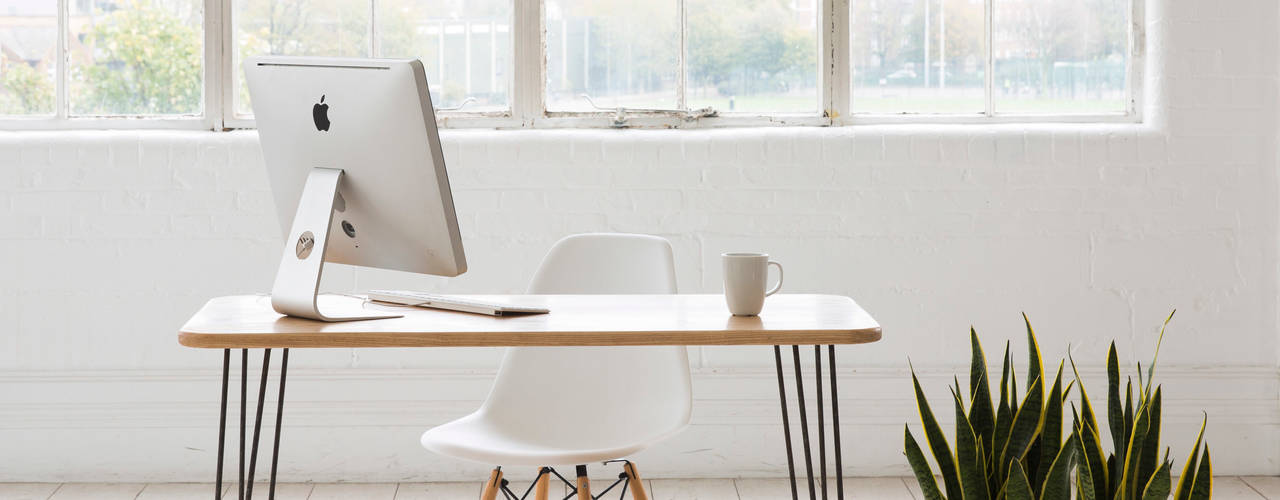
[779, 285]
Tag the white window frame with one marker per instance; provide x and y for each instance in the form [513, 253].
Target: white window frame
[210, 118]
[528, 93]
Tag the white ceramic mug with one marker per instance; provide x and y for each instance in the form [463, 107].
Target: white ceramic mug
[745, 277]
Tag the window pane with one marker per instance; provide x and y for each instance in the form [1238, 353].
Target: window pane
[334, 28]
[136, 57]
[465, 47]
[29, 40]
[752, 55]
[1060, 56]
[918, 56]
[619, 52]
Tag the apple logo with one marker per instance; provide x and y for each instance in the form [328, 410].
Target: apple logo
[320, 113]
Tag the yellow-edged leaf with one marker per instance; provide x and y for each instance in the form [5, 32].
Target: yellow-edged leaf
[1158, 487]
[1057, 484]
[973, 480]
[920, 467]
[1026, 425]
[1018, 488]
[1203, 489]
[1185, 482]
[981, 414]
[937, 442]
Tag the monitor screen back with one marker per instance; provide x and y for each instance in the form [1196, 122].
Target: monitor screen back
[371, 118]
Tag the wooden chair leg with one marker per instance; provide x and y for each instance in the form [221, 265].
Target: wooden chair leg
[634, 482]
[540, 491]
[494, 485]
[584, 484]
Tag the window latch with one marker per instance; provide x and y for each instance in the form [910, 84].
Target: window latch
[460, 105]
[620, 112]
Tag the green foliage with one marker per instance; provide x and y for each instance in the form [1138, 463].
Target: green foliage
[146, 60]
[26, 90]
[747, 50]
[1134, 470]
[1006, 456]
[1016, 451]
[1196, 482]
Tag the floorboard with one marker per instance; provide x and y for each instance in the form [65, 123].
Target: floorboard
[97, 491]
[347, 491]
[27, 491]
[764, 489]
[874, 488]
[1267, 486]
[284, 491]
[433, 491]
[692, 489]
[176, 491]
[1233, 488]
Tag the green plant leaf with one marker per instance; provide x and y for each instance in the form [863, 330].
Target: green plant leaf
[1142, 397]
[920, 466]
[981, 415]
[1085, 486]
[1013, 392]
[1086, 406]
[1113, 484]
[1057, 484]
[1151, 370]
[1150, 452]
[1034, 370]
[1018, 488]
[1128, 417]
[1004, 418]
[1115, 420]
[937, 442]
[1131, 482]
[1050, 432]
[1158, 487]
[1115, 412]
[1203, 488]
[1097, 460]
[1185, 482]
[1026, 425]
[973, 479]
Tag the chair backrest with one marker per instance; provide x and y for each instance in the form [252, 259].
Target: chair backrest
[606, 263]
[597, 397]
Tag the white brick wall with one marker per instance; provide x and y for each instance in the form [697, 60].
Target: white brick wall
[112, 239]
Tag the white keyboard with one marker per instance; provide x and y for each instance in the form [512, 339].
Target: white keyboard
[434, 301]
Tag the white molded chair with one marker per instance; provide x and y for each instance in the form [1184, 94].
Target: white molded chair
[575, 405]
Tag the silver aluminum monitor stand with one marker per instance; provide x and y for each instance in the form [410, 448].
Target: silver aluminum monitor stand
[298, 279]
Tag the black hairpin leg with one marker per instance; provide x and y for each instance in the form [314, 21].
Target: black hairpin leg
[222, 421]
[786, 423]
[275, 448]
[245, 487]
[822, 440]
[835, 420]
[804, 424]
[257, 422]
[804, 421]
[244, 398]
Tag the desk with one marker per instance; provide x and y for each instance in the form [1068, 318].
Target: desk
[248, 322]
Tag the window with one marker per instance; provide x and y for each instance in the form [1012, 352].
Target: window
[96, 60]
[558, 63]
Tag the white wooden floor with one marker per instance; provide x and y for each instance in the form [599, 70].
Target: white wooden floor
[888, 488]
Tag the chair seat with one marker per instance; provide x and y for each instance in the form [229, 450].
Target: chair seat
[477, 438]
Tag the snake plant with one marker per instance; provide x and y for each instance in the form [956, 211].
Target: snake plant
[1132, 471]
[1015, 450]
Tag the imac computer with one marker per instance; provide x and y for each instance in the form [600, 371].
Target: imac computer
[354, 160]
